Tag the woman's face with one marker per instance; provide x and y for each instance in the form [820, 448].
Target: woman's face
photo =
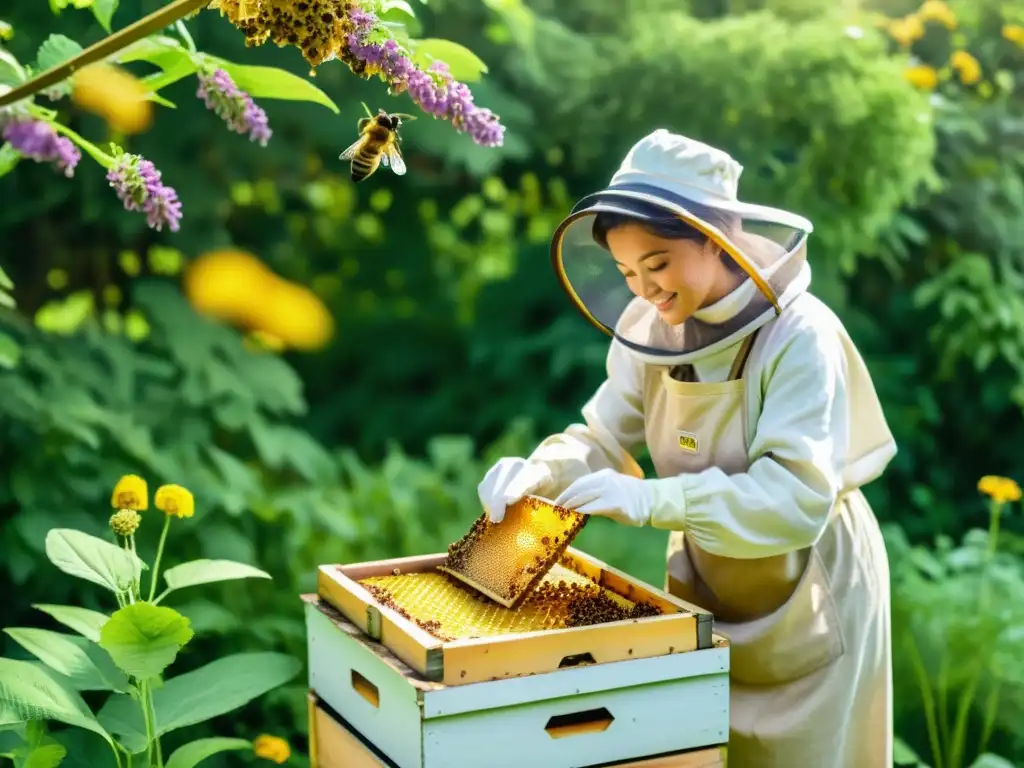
[677, 276]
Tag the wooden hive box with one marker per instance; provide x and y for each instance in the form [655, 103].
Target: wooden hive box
[333, 743]
[646, 687]
[682, 627]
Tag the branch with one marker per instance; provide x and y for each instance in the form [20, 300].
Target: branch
[144, 27]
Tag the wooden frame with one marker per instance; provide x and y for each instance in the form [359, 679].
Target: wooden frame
[683, 627]
[335, 744]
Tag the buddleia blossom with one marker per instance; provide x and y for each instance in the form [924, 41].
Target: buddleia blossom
[138, 185]
[233, 105]
[434, 90]
[37, 139]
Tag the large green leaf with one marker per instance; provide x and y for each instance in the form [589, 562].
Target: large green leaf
[215, 689]
[56, 49]
[11, 71]
[85, 622]
[85, 750]
[193, 753]
[989, 760]
[144, 639]
[87, 666]
[274, 83]
[93, 559]
[164, 52]
[209, 571]
[10, 351]
[28, 693]
[463, 64]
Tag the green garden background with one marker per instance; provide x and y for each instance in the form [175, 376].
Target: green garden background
[898, 129]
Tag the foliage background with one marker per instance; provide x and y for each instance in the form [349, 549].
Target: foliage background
[454, 345]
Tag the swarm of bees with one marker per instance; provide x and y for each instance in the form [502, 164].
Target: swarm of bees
[378, 144]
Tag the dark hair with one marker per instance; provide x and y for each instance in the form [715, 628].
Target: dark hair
[662, 223]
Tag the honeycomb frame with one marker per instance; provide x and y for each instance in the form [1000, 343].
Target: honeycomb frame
[518, 551]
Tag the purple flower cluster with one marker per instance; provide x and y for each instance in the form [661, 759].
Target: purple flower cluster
[233, 105]
[138, 186]
[39, 141]
[435, 91]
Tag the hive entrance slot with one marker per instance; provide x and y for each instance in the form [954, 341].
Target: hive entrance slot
[366, 689]
[587, 721]
[576, 660]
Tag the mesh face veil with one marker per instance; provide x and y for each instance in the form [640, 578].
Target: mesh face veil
[768, 247]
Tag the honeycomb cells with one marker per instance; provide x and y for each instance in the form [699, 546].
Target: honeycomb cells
[316, 27]
[504, 560]
[449, 610]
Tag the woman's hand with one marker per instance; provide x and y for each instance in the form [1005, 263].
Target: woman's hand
[625, 499]
[509, 480]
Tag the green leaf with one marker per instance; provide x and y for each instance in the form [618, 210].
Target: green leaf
[45, 756]
[164, 52]
[193, 753]
[103, 10]
[209, 571]
[28, 693]
[56, 49]
[9, 158]
[153, 96]
[989, 760]
[210, 691]
[387, 6]
[11, 72]
[85, 750]
[87, 666]
[93, 559]
[274, 83]
[5, 281]
[143, 639]
[463, 64]
[85, 622]
[10, 352]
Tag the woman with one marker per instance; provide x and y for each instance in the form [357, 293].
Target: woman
[762, 423]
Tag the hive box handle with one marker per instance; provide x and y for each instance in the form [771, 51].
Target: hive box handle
[366, 689]
[576, 660]
[587, 721]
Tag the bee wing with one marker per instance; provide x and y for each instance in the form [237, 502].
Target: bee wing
[349, 153]
[393, 157]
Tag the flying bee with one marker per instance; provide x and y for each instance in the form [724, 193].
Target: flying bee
[378, 144]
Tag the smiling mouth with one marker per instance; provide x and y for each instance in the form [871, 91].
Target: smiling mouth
[666, 304]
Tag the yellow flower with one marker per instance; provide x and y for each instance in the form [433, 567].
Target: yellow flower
[115, 95]
[936, 10]
[1014, 33]
[294, 315]
[175, 500]
[906, 30]
[922, 76]
[131, 492]
[1001, 489]
[967, 66]
[272, 748]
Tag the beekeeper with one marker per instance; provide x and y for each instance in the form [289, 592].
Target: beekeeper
[762, 423]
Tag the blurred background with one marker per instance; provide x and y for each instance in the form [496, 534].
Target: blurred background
[897, 128]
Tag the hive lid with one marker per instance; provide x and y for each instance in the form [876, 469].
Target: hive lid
[504, 560]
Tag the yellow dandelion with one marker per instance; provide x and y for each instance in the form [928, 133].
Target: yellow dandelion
[906, 30]
[115, 95]
[922, 76]
[174, 500]
[1000, 489]
[1014, 33]
[131, 492]
[272, 748]
[966, 66]
[936, 10]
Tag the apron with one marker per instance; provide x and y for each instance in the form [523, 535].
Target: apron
[810, 665]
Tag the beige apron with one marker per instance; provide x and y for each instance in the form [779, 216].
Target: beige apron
[810, 671]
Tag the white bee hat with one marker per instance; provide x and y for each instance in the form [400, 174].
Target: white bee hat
[665, 180]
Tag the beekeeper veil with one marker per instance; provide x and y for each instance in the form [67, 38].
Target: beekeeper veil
[666, 175]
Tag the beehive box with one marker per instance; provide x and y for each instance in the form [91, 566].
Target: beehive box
[333, 743]
[439, 630]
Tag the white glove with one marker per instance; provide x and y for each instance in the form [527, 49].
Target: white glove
[509, 480]
[625, 499]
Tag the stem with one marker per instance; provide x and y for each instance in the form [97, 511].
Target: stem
[159, 554]
[117, 755]
[108, 46]
[943, 690]
[926, 698]
[185, 36]
[138, 579]
[144, 696]
[967, 699]
[989, 722]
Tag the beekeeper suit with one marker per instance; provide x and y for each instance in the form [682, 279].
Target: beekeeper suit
[763, 424]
